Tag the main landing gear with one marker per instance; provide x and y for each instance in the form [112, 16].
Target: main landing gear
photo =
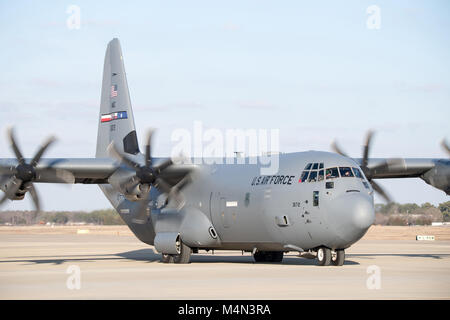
[183, 256]
[325, 257]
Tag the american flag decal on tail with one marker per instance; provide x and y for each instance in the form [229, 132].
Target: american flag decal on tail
[114, 91]
[113, 116]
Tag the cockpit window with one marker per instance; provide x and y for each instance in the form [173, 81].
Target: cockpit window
[312, 176]
[308, 166]
[321, 165]
[315, 166]
[304, 176]
[346, 172]
[332, 173]
[320, 177]
[357, 173]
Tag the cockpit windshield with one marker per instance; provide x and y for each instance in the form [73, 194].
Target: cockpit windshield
[346, 172]
[314, 172]
[332, 173]
[357, 173]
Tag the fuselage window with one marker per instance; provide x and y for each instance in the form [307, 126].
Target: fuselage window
[315, 166]
[320, 178]
[308, 166]
[304, 176]
[312, 176]
[346, 172]
[332, 173]
[315, 198]
[357, 173]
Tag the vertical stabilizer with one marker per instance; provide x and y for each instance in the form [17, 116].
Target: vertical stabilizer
[115, 121]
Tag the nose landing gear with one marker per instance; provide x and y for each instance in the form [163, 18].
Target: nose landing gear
[338, 257]
[325, 257]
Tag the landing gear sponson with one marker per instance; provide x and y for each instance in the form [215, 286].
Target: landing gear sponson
[182, 257]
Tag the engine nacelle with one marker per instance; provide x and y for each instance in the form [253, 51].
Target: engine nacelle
[119, 180]
[439, 176]
[136, 193]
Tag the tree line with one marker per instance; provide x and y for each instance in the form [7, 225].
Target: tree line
[386, 214]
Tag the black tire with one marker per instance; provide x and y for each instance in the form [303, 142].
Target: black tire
[259, 256]
[276, 256]
[338, 258]
[184, 256]
[268, 256]
[323, 256]
[166, 258]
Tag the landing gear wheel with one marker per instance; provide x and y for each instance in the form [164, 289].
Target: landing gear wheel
[184, 255]
[166, 258]
[323, 256]
[338, 257]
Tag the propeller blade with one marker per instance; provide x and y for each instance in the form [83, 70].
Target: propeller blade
[12, 186]
[162, 186]
[14, 146]
[336, 149]
[445, 146]
[130, 184]
[380, 190]
[183, 182]
[163, 165]
[41, 151]
[176, 193]
[125, 160]
[32, 190]
[141, 217]
[3, 179]
[148, 153]
[7, 170]
[4, 198]
[366, 148]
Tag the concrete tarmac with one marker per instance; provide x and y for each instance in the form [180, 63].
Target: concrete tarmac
[45, 266]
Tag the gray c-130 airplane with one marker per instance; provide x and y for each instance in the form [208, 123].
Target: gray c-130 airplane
[317, 204]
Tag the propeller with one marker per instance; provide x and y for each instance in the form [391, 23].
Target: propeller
[18, 180]
[370, 172]
[148, 176]
[445, 146]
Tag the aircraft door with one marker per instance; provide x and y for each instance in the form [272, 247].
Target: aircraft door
[224, 213]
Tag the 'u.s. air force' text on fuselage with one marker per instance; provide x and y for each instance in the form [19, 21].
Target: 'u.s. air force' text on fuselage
[264, 180]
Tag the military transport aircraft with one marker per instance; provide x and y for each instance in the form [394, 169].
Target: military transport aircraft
[318, 204]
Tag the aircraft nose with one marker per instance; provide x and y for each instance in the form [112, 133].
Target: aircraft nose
[362, 213]
[352, 216]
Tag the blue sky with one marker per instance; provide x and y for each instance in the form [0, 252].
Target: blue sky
[312, 69]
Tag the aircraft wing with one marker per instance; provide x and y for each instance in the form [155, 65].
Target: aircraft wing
[83, 170]
[435, 172]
